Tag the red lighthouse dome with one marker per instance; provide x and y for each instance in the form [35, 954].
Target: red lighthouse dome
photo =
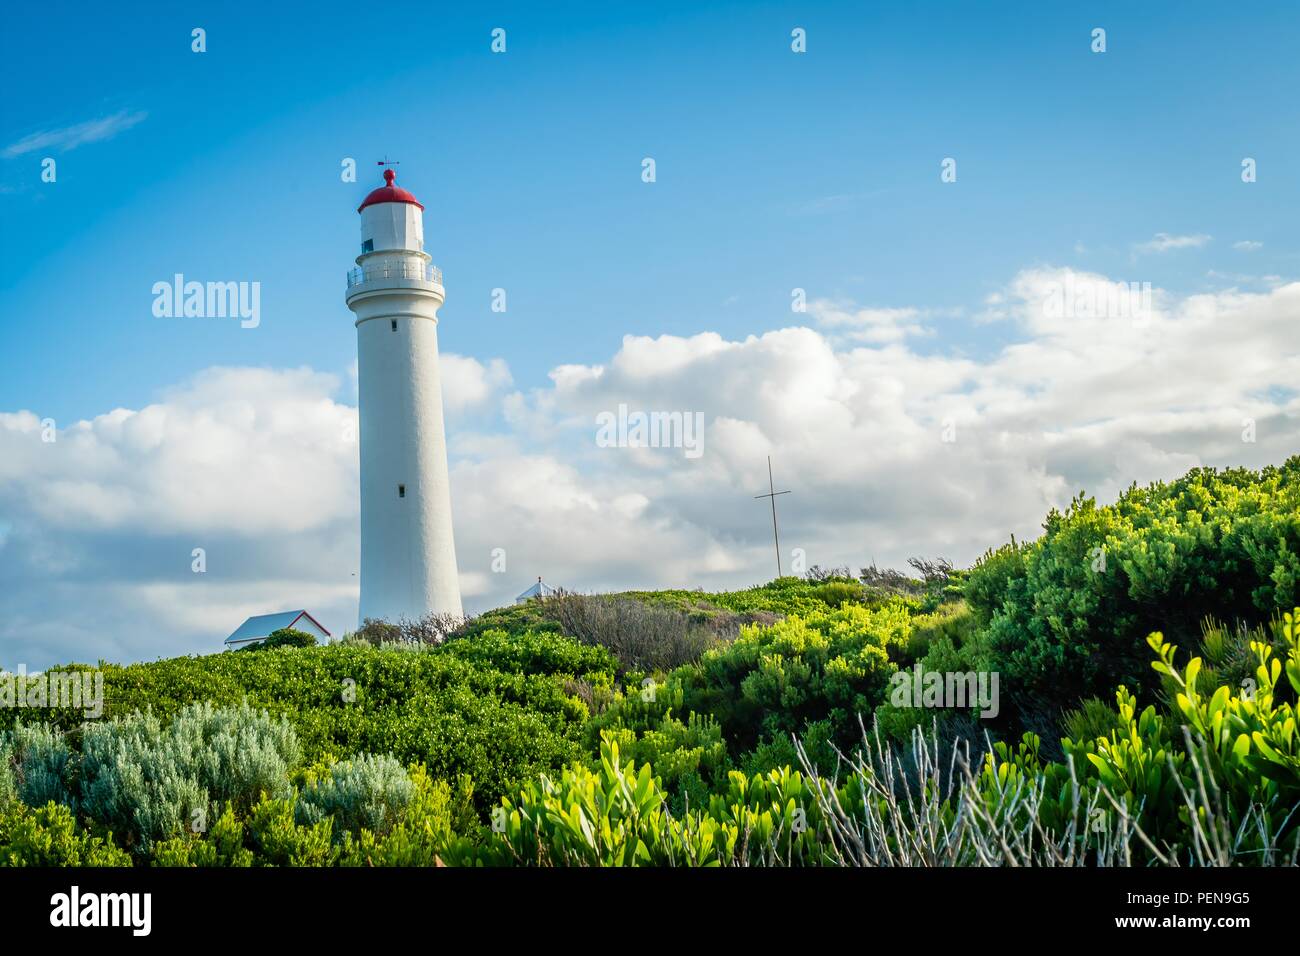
[390, 193]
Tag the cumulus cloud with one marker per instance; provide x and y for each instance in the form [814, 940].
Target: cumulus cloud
[889, 452]
[256, 468]
[468, 383]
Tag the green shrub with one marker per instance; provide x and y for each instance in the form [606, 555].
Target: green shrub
[284, 637]
[944, 642]
[533, 653]
[818, 741]
[151, 780]
[431, 821]
[835, 593]
[1227, 651]
[49, 836]
[1093, 718]
[618, 815]
[275, 833]
[773, 682]
[1067, 615]
[364, 792]
[221, 845]
[690, 755]
[784, 595]
[278, 839]
[35, 765]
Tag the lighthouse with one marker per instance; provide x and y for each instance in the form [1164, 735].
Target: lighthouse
[408, 556]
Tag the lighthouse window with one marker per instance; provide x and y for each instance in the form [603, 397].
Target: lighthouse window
[401, 491]
[394, 325]
[368, 246]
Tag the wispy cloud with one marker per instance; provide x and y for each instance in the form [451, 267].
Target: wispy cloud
[835, 203]
[1163, 242]
[65, 138]
[1248, 245]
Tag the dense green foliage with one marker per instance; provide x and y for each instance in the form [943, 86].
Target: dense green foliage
[50, 836]
[689, 728]
[1067, 616]
[494, 708]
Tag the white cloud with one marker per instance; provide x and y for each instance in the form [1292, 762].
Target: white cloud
[256, 465]
[468, 383]
[65, 138]
[1248, 245]
[1163, 242]
[875, 326]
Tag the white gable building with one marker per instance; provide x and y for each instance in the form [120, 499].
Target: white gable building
[256, 629]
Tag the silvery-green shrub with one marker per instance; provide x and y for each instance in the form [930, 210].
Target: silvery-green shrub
[365, 792]
[153, 781]
[34, 766]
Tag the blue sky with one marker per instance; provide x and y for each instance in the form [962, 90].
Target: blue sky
[775, 171]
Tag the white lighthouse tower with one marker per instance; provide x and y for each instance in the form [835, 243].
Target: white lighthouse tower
[408, 557]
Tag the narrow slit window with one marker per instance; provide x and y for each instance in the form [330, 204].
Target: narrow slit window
[394, 325]
[401, 491]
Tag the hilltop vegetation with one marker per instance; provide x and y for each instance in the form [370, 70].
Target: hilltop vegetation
[757, 726]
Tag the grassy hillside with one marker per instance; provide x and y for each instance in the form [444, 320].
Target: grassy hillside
[688, 728]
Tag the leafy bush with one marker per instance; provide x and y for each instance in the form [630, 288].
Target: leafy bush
[772, 682]
[278, 839]
[945, 642]
[34, 765]
[364, 792]
[534, 654]
[284, 637]
[49, 836]
[150, 780]
[617, 815]
[429, 818]
[835, 593]
[785, 595]
[433, 818]
[1067, 614]
[1093, 718]
[222, 845]
[689, 756]
[1227, 651]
